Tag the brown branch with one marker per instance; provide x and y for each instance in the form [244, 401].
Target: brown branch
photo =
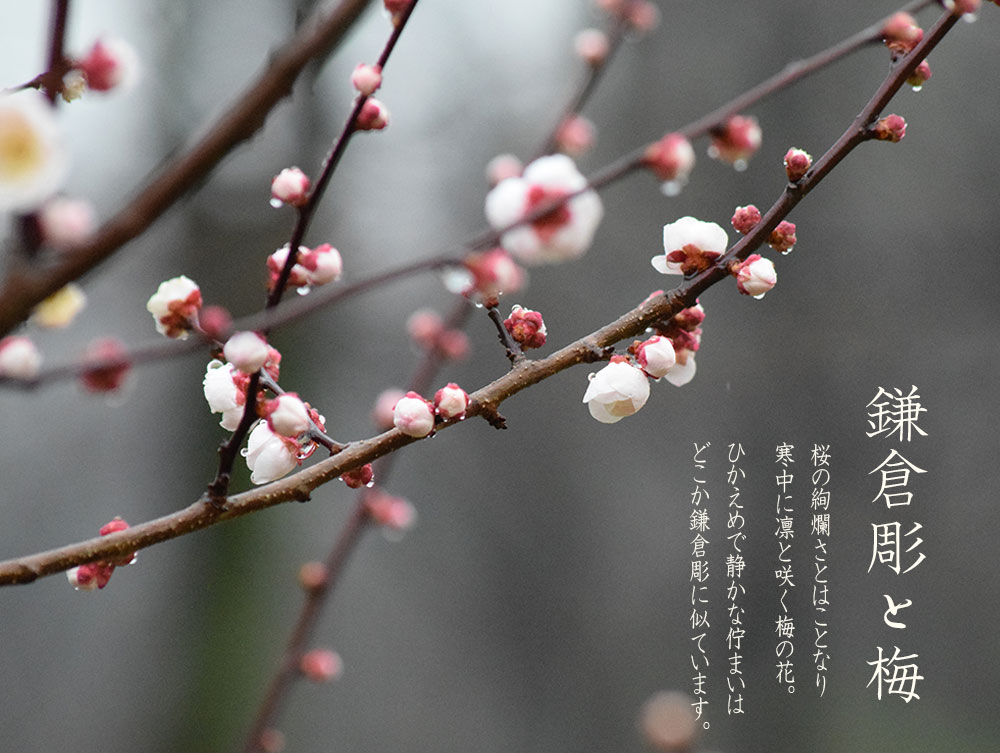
[485, 401]
[26, 285]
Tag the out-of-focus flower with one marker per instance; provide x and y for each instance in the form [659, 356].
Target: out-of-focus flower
[110, 64]
[33, 159]
[563, 233]
[618, 390]
[736, 141]
[60, 308]
[175, 307]
[671, 159]
[65, 222]
[19, 357]
[690, 246]
[592, 46]
[321, 665]
[106, 365]
[366, 78]
[247, 351]
[575, 135]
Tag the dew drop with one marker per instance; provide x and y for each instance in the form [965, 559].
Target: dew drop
[970, 18]
[244, 452]
[739, 165]
[276, 203]
[917, 88]
[672, 187]
[758, 297]
[370, 484]
[787, 251]
[478, 304]
[304, 290]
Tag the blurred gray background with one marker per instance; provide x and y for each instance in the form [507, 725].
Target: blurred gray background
[544, 594]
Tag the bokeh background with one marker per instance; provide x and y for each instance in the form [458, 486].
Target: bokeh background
[544, 594]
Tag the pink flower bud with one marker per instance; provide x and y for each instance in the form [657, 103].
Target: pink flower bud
[575, 136]
[671, 159]
[901, 33]
[642, 15]
[920, 76]
[106, 365]
[65, 222]
[313, 576]
[656, 356]
[290, 186]
[736, 141]
[111, 63]
[669, 722]
[451, 401]
[453, 344]
[413, 415]
[493, 273]
[359, 477]
[366, 78]
[425, 327]
[321, 665]
[114, 526]
[890, 128]
[175, 307]
[592, 45]
[90, 577]
[374, 116]
[390, 512]
[618, 390]
[755, 276]
[526, 327]
[382, 412]
[501, 167]
[797, 164]
[782, 238]
[745, 218]
[286, 415]
[19, 358]
[247, 351]
[323, 264]
[215, 322]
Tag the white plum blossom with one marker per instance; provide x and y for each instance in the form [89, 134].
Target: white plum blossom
[175, 306]
[33, 158]
[65, 222]
[287, 415]
[223, 395]
[270, 456]
[689, 245]
[656, 356]
[19, 357]
[756, 276]
[683, 371]
[564, 233]
[413, 415]
[247, 351]
[618, 390]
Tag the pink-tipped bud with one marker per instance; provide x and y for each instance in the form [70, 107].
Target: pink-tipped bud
[755, 276]
[175, 306]
[321, 665]
[323, 264]
[216, 322]
[920, 76]
[383, 409]
[114, 526]
[501, 167]
[313, 576]
[109, 64]
[19, 358]
[290, 186]
[64, 222]
[671, 158]
[451, 401]
[782, 238]
[901, 33]
[592, 45]
[425, 327]
[453, 344]
[413, 415]
[736, 141]
[575, 136]
[745, 218]
[106, 365]
[366, 78]
[90, 577]
[642, 15]
[359, 477]
[286, 415]
[493, 272]
[389, 511]
[797, 164]
[247, 351]
[374, 116]
[890, 128]
[656, 356]
[526, 327]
